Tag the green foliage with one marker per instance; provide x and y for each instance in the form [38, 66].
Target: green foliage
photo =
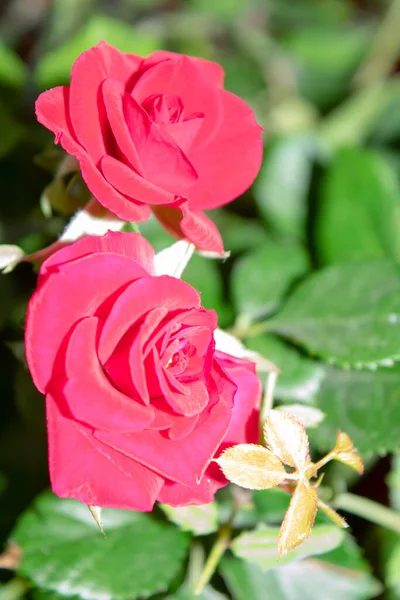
[260, 545]
[312, 285]
[283, 183]
[360, 209]
[11, 131]
[300, 376]
[13, 70]
[261, 278]
[348, 314]
[325, 60]
[200, 520]
[364, 404]
[63, 551]
[54, 67]
[339, 573]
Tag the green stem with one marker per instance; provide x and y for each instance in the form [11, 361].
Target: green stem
[14, 589]
[131, 226]
[217, 551]
[258, 328]
[384, 49]
[370, 510]
[196, 564]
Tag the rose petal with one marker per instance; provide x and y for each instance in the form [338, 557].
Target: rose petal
[213, 72]
[183, 77]
[164, 163]
[78, 291]
[52, 111]
[184, 133]
[82, 467]
[131, 245]
[132, 185]
[232, 159]
[140, 298]
[176, 426]
[179, 460]
[113, 92]
[200, 230]
[196, 227]
[89, 395]
[125, 208]
[176, 494]
[87, 109]
[244, 426]
[126, 366]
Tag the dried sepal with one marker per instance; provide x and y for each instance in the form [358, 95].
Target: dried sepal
[252, 467]
[299, 518]
[287, 439]
[332, 514]
[96, 514]
[11, 557]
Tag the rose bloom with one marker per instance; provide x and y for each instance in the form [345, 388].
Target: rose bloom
[138, 399]
[156, 134]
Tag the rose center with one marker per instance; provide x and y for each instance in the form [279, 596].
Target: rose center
[182, 351]
[168, 113]
[164, 108]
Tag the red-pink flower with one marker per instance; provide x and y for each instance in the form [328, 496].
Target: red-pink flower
[138, 399]
[156, 134]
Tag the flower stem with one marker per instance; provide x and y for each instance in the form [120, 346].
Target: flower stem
[195, 567]
[325, 459]
[14, 589]
[370, 510]
[258, 328]
[384, 49]
[217, 551]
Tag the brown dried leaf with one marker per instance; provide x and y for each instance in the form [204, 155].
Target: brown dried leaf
[287, 439]
[332, 514]
[11, 557]
[299, 518]
[251, 466]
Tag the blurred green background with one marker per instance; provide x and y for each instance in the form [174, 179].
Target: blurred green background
[322, 77]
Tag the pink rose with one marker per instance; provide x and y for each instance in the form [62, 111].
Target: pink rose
[156, 134]
[138, 399]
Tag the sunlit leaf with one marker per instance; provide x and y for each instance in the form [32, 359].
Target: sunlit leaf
[260, 545]
[346, 453]
[251, 466]
[63, 551]
[10, 256]
[287, 439]
[299, 518]
[348, 313]
[225, 342]
[365, 404]
[261, 278]
[200, 519]
[300, 377]
[343, 442]
[351, 460]
[308, 416]
[173, 260]
[328, 577]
